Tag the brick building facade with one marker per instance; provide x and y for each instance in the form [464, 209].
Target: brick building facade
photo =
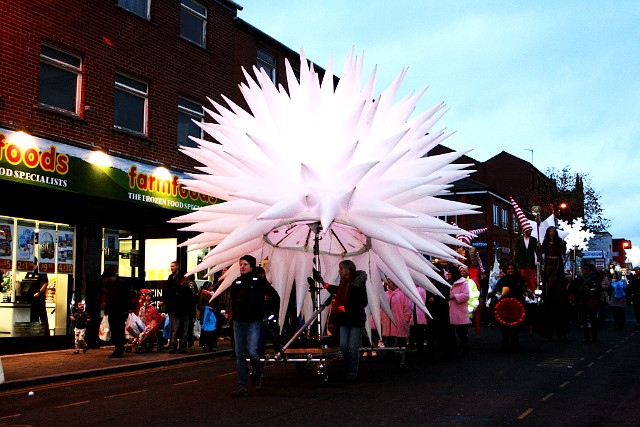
[123, 79]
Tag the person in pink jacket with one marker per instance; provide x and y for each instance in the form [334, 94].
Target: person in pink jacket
[458, 307]
[396, 334]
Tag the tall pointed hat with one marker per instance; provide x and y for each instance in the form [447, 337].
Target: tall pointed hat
[524, 222]
[466, 238]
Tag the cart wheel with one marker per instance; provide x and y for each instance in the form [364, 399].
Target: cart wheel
[323, 373]
[301, 367]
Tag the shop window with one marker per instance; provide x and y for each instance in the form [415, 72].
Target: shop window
[193, 22]
[27, 309]
[139, 7]
[130, 106]
[267, 62]
[60, 79]
[189, 111]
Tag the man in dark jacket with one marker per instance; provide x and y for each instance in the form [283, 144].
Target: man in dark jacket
[117, 307]
[179, 303]
[525, 257]
[249, 306]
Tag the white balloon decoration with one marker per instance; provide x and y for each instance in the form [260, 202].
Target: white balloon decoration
[334, 155]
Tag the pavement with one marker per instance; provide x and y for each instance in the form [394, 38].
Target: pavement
[30, 369]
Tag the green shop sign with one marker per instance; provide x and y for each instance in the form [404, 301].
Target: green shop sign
[44, 163]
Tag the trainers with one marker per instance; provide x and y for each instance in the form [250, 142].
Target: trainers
[259, 384]
[373, 353]
[76, 352]
[84, 350]
[240, 392]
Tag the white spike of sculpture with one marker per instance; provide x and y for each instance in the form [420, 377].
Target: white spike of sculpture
[338, 156]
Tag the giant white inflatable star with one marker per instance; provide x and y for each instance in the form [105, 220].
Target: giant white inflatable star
[332, 159]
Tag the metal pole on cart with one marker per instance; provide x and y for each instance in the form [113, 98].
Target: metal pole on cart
[316, 227]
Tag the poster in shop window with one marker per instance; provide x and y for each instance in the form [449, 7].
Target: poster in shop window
[46, 248]
[111, 248]
[26, 245]
[6, 243]
[65, 250]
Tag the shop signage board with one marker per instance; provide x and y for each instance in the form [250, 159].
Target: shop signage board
[45, 163]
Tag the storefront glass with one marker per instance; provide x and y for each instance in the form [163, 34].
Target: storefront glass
[27, 306]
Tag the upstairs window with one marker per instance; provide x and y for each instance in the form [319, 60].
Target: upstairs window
[130, 106]
[267, 62]
[188, 111]
[139, 7]
[496, 215]
[193, 22]
[504, 223]
[60, 80]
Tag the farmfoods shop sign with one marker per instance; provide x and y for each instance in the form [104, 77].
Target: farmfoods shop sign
[50, 164]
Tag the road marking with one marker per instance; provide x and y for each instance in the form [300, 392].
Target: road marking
[126, 394]
[62, 384]
[547, 397]
[72, 404]
[600, 357]
[226, 375]
[186, 382]
[579, 373]
[525, 413]
[591, 364]
[560, 362]
[10, 416]
[609, 351]
[564, 384]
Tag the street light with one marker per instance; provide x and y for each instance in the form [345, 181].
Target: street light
[562, 207]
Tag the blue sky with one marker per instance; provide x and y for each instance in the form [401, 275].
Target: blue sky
[561, 78]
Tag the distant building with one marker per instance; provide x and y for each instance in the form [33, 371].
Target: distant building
[600, 250]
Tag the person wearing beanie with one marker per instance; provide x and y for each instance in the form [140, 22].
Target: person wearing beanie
[249, 295]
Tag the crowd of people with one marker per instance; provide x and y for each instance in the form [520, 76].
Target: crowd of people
[582, 301]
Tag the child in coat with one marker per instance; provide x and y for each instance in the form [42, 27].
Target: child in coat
[80, 318]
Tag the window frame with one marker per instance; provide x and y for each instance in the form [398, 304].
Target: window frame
[496, 215]
[192, 114]
[135, 92]
[185, 8]
[262, 63]
[121, 4]
[65, 66]
[504, 221]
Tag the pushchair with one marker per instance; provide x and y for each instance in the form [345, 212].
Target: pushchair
[145, 336]
[147, 341]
